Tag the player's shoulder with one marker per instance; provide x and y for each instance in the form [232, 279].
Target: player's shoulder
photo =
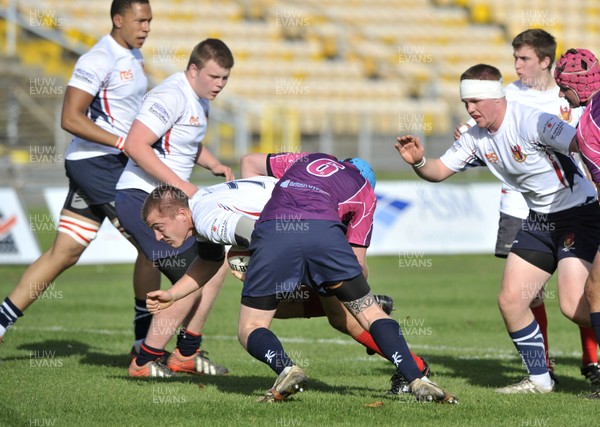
[594, 107]
[169, 93]
[175, 87]
[517, 109]
[174, 81]
[526, 120]
[102, 52]
[93, 66]
[515, 86]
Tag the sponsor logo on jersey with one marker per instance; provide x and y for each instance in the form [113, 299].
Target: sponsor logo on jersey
[456, 146]
[160, 112]
[301, 185]
[492, 157]
[81, 74]
[126, 75]
[194, 121]
[518, 154]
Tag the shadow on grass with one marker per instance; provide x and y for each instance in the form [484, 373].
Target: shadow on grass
[67, 348]
[494, 373]
[246, 385]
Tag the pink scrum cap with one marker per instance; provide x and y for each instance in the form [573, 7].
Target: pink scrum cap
[578, 69]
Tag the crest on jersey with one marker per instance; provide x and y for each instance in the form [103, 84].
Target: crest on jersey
[518, 154]
[565, 114]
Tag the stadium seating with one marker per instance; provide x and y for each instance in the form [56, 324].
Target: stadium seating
[322, 58]
[574, 24]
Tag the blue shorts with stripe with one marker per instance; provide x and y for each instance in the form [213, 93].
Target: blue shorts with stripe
[92, 185]
[285, 254]
[573, 232]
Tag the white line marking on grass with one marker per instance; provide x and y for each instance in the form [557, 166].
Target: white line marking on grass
[465, 353]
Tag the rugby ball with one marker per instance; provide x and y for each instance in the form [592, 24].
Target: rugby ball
[238, 258]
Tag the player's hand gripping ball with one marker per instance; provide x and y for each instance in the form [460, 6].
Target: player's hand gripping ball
[238, 259]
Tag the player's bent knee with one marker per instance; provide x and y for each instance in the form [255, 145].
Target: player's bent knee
[578, 318]
[509, 303]
[81, 231]
[572, 311]
[242, 333]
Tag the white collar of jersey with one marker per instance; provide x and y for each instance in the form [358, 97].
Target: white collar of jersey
[481, 89]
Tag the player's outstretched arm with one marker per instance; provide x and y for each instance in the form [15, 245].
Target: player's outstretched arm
[200, 272]
[411, 150]
[253, 164]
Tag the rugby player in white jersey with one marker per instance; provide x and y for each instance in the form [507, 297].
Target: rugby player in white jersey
[164, 144]
[224, 214]
[534, 51]
[530, 151]
[101, 101]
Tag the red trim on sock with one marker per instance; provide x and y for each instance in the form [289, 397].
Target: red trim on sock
[154, 352]
[366, 339]
[187, 331]
[589, 346]
[539, 313]
[420, 363]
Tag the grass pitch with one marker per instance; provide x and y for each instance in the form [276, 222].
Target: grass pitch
[65, 362]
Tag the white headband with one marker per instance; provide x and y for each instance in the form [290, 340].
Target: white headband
[481, 89]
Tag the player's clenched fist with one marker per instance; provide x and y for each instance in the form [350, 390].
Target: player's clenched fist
[410, 148]
[158, 300]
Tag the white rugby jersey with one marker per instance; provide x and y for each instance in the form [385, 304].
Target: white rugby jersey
[530, 153]
[217, 209]
[115, 76]
[512, 202]
[173, 111]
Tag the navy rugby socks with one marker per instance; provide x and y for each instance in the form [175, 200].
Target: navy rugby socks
[264, 345]
[141, 321]
[188, 343]
[388, 337]
[530, 345]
